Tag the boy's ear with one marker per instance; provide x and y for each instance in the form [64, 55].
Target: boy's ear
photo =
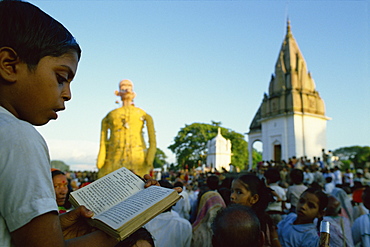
[8, 61]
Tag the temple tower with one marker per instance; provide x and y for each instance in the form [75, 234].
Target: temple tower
[291, 119]
[219, 152]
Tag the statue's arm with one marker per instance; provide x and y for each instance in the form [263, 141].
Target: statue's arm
[103, 142]
[152, 140]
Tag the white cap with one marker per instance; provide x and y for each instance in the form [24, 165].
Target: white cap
[360, 171]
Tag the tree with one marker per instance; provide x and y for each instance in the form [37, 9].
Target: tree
[357, 155]
[190, 144]
[159, 159]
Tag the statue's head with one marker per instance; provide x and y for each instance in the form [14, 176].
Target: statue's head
[126, 90]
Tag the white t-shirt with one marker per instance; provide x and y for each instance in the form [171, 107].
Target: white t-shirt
[26, 187]
[294, 192]
[169, 229]
[182, 207]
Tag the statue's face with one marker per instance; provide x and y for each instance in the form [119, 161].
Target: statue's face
[125, 86]
[126, 90]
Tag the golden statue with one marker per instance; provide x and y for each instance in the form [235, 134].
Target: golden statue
[121, 139]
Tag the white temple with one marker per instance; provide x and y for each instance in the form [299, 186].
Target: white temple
[219, 152]
[291, 119]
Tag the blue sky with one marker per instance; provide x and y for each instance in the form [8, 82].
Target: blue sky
[203, 61]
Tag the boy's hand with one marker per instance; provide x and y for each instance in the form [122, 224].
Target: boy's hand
[149, 181]
[73, 223]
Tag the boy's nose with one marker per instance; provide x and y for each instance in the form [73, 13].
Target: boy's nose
[67, 94]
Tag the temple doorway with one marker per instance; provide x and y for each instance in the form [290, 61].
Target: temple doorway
[277, 152]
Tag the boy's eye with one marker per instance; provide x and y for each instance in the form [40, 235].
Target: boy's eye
[237, 192]
[311, 205]
[61, 79]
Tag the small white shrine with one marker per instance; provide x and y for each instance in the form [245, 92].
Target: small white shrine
[219, 153]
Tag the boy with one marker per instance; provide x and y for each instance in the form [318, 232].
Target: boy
[275, 209]
[295, 190]
[38, 60]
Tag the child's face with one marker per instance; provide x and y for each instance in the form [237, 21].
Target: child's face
[307, 208]
[241, 195]
[41, 92]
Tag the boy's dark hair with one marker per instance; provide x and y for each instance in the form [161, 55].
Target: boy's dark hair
[235, 226]
[166, 184]
[178, 184]
[212, 182]
[32, 33]
[273, 175]
[296, 175]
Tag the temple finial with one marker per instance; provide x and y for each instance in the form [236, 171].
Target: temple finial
[288, 29]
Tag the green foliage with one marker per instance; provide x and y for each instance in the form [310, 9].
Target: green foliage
[357, 155]
[257, 157]
[345, 165]
[190, 144]
[159, 159]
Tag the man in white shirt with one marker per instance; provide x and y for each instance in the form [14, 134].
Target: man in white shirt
[275, 209]
[182, 207]
[168, 228]
[337, 175]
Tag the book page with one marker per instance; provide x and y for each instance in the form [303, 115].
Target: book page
[136, 204]
[107, 191]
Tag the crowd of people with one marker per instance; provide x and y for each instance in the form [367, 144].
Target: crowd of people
[288, 203]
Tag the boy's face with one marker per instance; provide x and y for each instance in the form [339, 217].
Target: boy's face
[41, 92]
[307, 208]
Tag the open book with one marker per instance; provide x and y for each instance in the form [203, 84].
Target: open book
[120, 203]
